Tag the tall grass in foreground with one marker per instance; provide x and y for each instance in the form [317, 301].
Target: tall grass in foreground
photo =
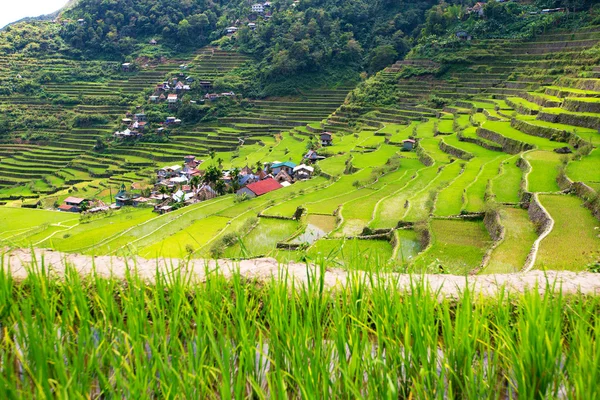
[89, 337]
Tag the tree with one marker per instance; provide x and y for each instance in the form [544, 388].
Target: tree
[381, 57]
[235, 178]
[212, 174]
[195, 182]
[220, 186]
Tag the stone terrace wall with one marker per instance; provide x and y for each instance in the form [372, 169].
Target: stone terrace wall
[509, 146]
[459, 153]
[544, 224]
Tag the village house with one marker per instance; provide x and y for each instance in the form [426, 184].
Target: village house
[172, 99]
[126, 134]
[252, 25]
[286, 166]
[326, 139]
[206, 85]
[283, 176]
[126, 67]
[211, 96]
[206, 193]
[168, 172]
[312, 156]
[303, 171]
[153, 42]
[262, 174]
[258, 8]
[73, 204]
[463, 35]
[231, 30]
[123, 198]
[247, 179]
[408, 144]
[259, 188]
[246, 171]
[139, 125]
[477, 9]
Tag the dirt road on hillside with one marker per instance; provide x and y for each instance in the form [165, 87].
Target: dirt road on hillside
[20, 261]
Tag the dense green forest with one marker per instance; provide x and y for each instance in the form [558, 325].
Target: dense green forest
[327, 40]
[305, 36]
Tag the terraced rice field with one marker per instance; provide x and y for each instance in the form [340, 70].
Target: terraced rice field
[574, 242]
[416, 210]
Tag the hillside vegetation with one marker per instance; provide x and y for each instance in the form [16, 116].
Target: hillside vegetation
[505, 130]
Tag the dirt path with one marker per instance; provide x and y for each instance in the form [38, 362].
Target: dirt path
[266, 268]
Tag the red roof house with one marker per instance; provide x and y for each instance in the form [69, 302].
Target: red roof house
[259, 188]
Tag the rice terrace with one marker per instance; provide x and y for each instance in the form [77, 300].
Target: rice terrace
[301, 199]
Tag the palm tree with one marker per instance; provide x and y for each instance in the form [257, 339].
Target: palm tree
[195, 182]
[163, 190]
[220, 186]
[212, 174]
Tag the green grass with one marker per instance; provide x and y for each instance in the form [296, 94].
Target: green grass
[506, 185]
[544, 170]
[104, 337]
[506, 130]
[574, 241]
[16, 221]
[263, 238]
[457, 246]
[587, 169]
[92, 232]
[511, 253]
[351, 253]
[186, 240]
[450, 199]
[392, 209]
[475, 192]
[421, 203]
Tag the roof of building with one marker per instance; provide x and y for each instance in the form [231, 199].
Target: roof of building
[304, 167]
[328, 134]
[65, 207]
[409, 141]
[172, 96]
[172, 168]
[288, 164]
[264, 186]
[74, 200]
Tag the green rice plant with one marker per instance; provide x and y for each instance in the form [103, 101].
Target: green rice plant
[172, 336]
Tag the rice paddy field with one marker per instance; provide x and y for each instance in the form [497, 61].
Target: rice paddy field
[506, 136]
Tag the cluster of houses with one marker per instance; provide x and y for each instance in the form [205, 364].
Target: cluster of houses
[171, 91]
[136, 124]
[181, 182]
[80, 204]
[261, 9]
